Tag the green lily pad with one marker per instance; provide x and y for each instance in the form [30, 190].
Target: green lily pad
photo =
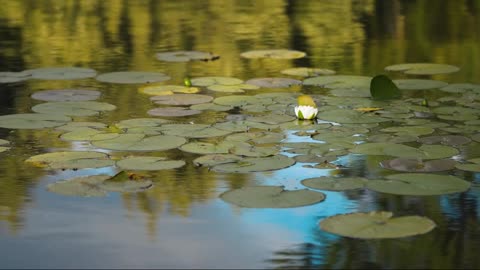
[382, 88]
[132, 77]
[207, 148]
[236, 100]
[87, 134]
[73, 108]
[419, 184]
[416, 165]
[400, 150]
[86, 186]
[349, 117]
[419, 84]
[461, 88]
[235, 88]
[410, 130]
[215, 159]
[161, 90]
[185, 56]
[451, 140]
[181, 99]
[390, 138]
[350, 92]
[271, 197]
[13, 77]
[211, 107]
[32, 120]
[423, 68]
[61, 73]
[307, 72]
[376, 225]
[67, 95]
[272, 118]
[173, 112]
[139, 142]
[314, 158]
[335, 183]
[274, 82]
[193, 130]
[240, 126]
[142, 122]
[149, 163]
[255, 164]
[259, 137]
[274, 54]
[71, 160]
[247, 150]
[215, 80]
[3, 145]
[123, 182]
[339, 81]
[72, 126]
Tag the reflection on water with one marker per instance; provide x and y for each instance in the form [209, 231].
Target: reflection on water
[181, 222]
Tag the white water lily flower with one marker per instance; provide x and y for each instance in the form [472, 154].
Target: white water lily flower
[305, 112]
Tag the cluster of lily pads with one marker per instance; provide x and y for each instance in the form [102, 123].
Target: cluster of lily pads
[414, 138]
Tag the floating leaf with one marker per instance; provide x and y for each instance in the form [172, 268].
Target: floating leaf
[382, 88]
[32, 120]
[215, 80]
[211, 107]
[207, 148]
[274, 82]
[132, 77]
[254, 164]
[376, 225]
[66, 95]
[271, 197]
[172, 112]
[236, 100]
[215, 159]
[71, 160]
[423, 68]
[138, 142]
[87, 134]
[185, 56]
[259, 137]
[461, 88]
[61, 73]
[235, 88]
[149, 163]
[451, 140]
[410, 130]
[274, 54]
[339, 81]
[272, 118]
[416, 165]
[86, 186]
[419, 184]
[419, 84]
[368, 109]
[124, 182]
[307, 72]
[13, 77]
[193, 130]
[349, 117]
[335, 183]
[181, 99]
[160, 90]
[400, 150]
[142, 122]
[389, 138]
[73, 108]
[239, 126]
[351, 92]
[3, 145]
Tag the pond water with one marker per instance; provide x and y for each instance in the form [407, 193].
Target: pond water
[181, 221]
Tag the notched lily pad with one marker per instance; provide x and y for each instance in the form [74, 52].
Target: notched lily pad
[417, 165]
[350, 117]
[461, 88]
[254, 164]
[452, 140]
[215, 159]
[132, 77]
[161, 90]
[339, 81]
[33, 120]
[418, 84]
[274, 82]
[185, 56]
[73, 108]
[193, 130]
[147, 163]
[234, 88]
[215, 80]
[307, 72]
[67, 95]
[139, 142]
[419, 184]
[274, 54]
[271, 197]
[335, 183]
[181, 99]
[61, 73]
[423, 68]
[71, 160]
[173, 112]
[376, 225]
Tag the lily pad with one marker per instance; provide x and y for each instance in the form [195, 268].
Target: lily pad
[61, 73]
[339, 81]
[416, 165]
[240, 126]
[474, 166]
[160, 90]
[259, 137]
[423, 68]
[254, 164]
[4, 145]
[236, 100]
[32, 120]
[185, 56]
[400, 150]
[419, 184]
[272, 118]
[271, 197]
[451, 140]
[215, 159]
[215, 80]
[235, 88]
[376, 225]
[71, 160]
[335, 183]
[132, 77]
[73, 108]
[149, 163]
[419, 84]
[173, 112]
[193, 130]
[181, 99]
[211, 107]
[207, 148]
[86, 186]
[307, 72]
[390, 138]
[410, 130]
[67, 95]
[349, 117]
[274, 82]
[142, 122]
[274, 54]
[139, 142]
[461, 88]
[87, 134]
[124, 182]
[13, 77]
